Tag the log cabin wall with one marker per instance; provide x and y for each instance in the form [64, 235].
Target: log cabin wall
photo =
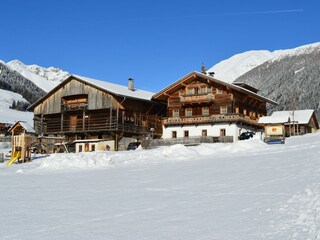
[78, 110]
[96, 98]
[200, 98]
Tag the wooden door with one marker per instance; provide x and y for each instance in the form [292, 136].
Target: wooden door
[73, 123]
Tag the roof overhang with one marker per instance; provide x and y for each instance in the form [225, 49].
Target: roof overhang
[164, 94]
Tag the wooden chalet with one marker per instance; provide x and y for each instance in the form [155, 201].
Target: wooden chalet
[200, 105]
[82, 108]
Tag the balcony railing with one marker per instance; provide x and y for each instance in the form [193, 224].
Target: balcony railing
[74, 106]
[53, 126]
[197, 98]
[220, 118]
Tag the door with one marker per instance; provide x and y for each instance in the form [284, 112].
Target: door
[73, 123]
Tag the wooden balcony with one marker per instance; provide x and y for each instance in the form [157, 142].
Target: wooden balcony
[197, 98]
[221, 118]
[53, 126]
[74, 106]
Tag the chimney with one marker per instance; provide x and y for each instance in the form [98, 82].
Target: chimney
[130, 84]
[204, 69]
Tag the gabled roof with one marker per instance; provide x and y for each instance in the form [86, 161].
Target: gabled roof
[300, 116]
[108, 87]
[117, 89]
[273, 120]
[163, 94]
[26, 126]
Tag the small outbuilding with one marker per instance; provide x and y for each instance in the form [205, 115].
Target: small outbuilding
[20, 127]
[294, 122]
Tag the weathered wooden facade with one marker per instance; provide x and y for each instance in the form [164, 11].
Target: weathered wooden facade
[200, 105]
[83, 108]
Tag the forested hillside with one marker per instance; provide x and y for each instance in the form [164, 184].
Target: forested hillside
[13, 81]
[293, 80]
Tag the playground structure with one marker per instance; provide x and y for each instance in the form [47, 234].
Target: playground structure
[20, 149]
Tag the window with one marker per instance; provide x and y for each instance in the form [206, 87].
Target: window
[245, 112]
[93, 148]
[189, 91]
[209, 89]
[223, 110]
[219, 91]
[186, 133]
[237, 110]
[80, 148]
[174, 134]
[175, 113]
[204, 133]
[205, 111]
[196, 90]
[222, 132]
[189, 112]
[203, 90]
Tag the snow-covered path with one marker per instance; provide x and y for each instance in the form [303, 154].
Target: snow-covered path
[246, 190]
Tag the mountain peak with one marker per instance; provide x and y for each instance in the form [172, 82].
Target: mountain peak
[45, 78]
[230, 69]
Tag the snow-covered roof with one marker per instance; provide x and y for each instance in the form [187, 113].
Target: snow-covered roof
[270, 119]
[25, 125]
[102, 85]
[299, 116]
[212, 79]
[118, 89]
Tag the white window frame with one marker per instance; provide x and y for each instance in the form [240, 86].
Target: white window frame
[175, 113]
[205, 111]
[223, 110]
[189, 112]
[203, 90]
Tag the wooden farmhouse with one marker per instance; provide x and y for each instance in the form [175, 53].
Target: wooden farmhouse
[81, 108]
[200, 105]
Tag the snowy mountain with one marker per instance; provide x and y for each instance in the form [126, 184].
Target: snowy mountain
[45, 78]
[21, 85]
[292, 78]
[228, 70]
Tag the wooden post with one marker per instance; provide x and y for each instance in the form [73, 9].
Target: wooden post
[110, 117]
[83, 120]
[41, 126]
[61, 122]
[117, 124]
[116, 142]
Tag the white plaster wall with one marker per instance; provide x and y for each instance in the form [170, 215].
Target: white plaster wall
[212, 130]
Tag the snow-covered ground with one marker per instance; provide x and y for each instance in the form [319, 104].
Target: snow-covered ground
[245, 190]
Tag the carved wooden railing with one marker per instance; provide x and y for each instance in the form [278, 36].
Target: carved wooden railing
[210, 119]
[197, 98]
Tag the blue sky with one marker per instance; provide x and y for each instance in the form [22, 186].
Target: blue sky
[154, 42]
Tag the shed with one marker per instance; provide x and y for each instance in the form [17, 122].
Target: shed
[20, 127]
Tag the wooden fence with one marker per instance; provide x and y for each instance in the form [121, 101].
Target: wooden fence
[189, 141]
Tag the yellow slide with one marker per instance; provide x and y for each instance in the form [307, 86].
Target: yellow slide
[16, 155]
